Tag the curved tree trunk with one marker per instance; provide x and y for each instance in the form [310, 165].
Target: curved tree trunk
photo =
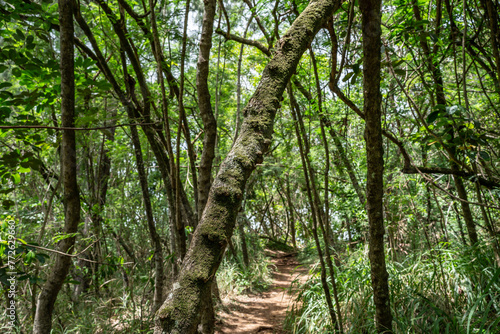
[181, 311]
[58, 273]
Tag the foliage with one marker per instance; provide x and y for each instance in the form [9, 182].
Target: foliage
[234, 278]
[447, 289]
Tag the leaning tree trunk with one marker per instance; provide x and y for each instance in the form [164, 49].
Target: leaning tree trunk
[371, 17]
[181, 311]
[48, 295]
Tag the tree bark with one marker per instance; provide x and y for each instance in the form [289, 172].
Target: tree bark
[155, 238]
[48, 295]
[205, 106]
[314, 205]
[290, 207]
[181, 311]
[371, 22]
[469, 221]
[244, 248]
[209, 141]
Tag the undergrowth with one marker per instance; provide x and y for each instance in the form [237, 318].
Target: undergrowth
[450, 289]
[234, 278]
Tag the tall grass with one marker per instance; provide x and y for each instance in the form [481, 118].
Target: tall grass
[234, 278]
[449, 289]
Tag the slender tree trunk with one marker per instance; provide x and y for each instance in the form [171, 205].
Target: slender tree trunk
[238, 84]
[205, 106]
[48, 295]
[181, 239]
[338, 145]
[469, 221]
[371, 17]
[181, 311]
[460, 226]
[143, 180]
[244, 248]
[290, 207]
[316, 216]
[493, 18]
[155, 238]
[210, 130]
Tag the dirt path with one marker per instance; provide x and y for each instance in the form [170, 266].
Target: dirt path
[264, 313]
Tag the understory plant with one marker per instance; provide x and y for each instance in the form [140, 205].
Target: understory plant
[447, 289]
[234, 278]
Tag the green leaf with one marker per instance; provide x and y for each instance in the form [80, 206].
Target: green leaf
[16, 72]
[353, 80]
[19, 35]
[5, 85]
[432, 116]
[399, 71]
[41, 257]
[60, 237]
[347, 76]
[7, 204]
[6, 191]
[17, 178]
[485, 156]
[30, 39]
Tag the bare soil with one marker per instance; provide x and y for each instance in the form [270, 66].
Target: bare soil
[264, 313]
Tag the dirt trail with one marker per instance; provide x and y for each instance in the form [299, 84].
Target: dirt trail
[264, 313]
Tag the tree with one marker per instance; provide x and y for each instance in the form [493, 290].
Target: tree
[372, 32]
[48, 295]
[180, 312]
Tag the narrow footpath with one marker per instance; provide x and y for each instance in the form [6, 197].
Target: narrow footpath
[264, 313]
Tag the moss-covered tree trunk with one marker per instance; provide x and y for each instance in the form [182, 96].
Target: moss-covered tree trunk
[58, 273]
[181, 311]
[371, 22]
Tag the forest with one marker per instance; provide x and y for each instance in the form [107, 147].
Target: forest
[154, 153]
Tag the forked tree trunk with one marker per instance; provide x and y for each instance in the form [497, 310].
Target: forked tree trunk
[181, 311]
[209, 141]
[58, 273]
[371, 17]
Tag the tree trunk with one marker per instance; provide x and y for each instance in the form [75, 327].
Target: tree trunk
[290, 207]
[48, 295]
[207, 115]
[209, 141]
[244, 248]
[155, 238]
[315, 212]
[181, 311]
[371, 17]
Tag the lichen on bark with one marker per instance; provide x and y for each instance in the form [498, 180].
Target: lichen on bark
[181, 311]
